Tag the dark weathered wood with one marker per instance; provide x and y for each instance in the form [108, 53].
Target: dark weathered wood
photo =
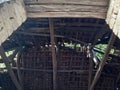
[98, 73]
[72, 2]
[47, 35]
[66, 28]
[85, 24]
[90, 70]
[12, 75]
[41, 70]
[54, 61]
[18, 68]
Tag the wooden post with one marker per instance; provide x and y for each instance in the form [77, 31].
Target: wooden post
[90, 70]
[10, 71]
[53, 54]
[106, 55]
[18, 68]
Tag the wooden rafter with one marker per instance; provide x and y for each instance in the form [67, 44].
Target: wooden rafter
[47, 35]
[9, 68]
[53, 54]
[98, 73]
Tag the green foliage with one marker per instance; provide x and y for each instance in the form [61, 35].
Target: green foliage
[2, 65]
[103, 48]
[99, 55]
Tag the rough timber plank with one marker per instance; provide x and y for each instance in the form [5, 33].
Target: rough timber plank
[12, 15]
[78, 2]
[67, 8]
[65, 14]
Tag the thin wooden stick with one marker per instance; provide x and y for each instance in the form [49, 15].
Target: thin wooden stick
[9, 68]
[98, 73]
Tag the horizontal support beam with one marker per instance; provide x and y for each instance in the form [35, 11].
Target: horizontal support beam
[69, 2]
[77, 24]
[66, 15]
[48, 35]
[41, 70]
[66, 8]
[66, 29]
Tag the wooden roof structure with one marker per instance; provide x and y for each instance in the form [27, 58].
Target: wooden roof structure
[59, 21]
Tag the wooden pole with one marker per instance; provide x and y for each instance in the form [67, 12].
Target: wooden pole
[10, 71]
[106, 55]
[18, 70]
[53, 54]
[90, 70]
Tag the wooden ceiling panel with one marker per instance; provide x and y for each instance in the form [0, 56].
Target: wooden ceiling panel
[77, 2]
[67, 8]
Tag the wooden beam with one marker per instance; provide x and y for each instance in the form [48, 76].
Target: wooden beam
[53, 54]
[9, 68]
[57, 23]
[18, 68]
[66, 29]
[90, 69]
[42, 70]
[69, 2]
[65, 8]
[47, 35]
[98, 73]
[101, 15]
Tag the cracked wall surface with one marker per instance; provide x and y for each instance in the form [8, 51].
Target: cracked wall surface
[113, 16]
[12, 15]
